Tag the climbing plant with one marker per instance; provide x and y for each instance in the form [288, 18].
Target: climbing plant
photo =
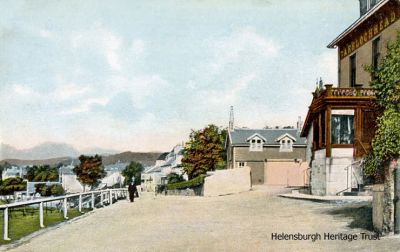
[386, 81]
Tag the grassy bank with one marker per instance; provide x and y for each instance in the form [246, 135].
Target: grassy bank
[24, 221]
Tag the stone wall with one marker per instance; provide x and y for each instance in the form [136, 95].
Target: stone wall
[222, 182]
[332, 175]
[377, 207]
[195, 191]
[383, 201]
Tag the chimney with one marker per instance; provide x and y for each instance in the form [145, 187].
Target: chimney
[299, 124]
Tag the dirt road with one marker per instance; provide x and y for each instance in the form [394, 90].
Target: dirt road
[242, 222]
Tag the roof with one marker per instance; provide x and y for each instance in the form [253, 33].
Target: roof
[163, 156]
[240, 136]
[357, 23]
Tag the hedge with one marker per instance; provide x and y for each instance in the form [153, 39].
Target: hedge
[187, 184]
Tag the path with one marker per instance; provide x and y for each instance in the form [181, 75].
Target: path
[242, 222]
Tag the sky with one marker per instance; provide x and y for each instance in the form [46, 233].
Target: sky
[139, 75]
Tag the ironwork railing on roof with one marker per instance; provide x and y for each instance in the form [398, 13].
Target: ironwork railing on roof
[329, 91]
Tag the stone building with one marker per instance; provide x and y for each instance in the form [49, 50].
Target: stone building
[340, 122]
[275, 156]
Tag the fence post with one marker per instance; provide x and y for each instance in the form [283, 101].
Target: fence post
[110, 197]
[41, 215]
[65, 209]
[101, 198]
[92, 200]
[5, 230]
[80, 203]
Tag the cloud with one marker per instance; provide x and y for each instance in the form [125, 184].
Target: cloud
[70, 91]
[102, 41]
[327, 66]
[243, 45]
[137, 47]
[231, 95]
[23, 90]
[45, 33]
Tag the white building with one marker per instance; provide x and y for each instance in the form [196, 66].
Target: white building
[170, 162]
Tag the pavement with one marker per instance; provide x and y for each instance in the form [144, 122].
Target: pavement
[328, 199]
[257, 220]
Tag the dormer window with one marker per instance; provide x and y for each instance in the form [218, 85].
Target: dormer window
[256, 142]
[286, 142]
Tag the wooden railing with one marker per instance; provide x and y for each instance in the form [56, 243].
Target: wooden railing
[105, 195]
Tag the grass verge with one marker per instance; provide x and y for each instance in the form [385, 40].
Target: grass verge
[24, 221]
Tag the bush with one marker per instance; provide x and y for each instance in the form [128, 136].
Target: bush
[187, 184]
[174, 178]
[57, 190]
[10, 185]
[53, 190]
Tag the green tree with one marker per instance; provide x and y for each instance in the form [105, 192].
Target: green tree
[386, 81]
[10, 185]
[42, 173]
[134, 169]
[174, 178]
[204, 151]
[90, 170]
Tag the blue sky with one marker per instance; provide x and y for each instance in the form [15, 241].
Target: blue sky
[139, 75]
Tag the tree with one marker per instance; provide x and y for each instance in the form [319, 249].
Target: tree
[90, 170]
[134, 169]
[10, 185]
[386, 81]
[42, 173]
[174, 178]
[204, 151]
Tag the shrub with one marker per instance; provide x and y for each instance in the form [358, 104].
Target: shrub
[187, 184]
[174, 178]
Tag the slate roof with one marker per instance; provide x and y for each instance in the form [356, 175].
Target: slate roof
[239, 136]
[163, 156]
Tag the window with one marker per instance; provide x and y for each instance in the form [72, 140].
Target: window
[342, 129]
[376, 53]
[256, 144]
[241, 164]
[286, 145]
[353, 70]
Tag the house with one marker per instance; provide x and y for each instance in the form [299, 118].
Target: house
[69, 180]
[275, 156]
[13, 171]
[340, 123]
[169, 162]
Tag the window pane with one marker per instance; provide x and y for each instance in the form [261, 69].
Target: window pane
[342, 129]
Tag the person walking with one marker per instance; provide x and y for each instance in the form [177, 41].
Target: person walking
[132, 190]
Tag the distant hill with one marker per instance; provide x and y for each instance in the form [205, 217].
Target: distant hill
[51, 161]
[145, 158]
[43, 151]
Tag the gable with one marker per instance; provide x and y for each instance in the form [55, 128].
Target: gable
[256, 135]
[286, 136]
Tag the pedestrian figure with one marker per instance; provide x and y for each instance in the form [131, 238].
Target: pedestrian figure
[132, 190]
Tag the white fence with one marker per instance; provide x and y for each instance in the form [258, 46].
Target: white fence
[105, 196]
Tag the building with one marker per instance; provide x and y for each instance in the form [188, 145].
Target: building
[69, 180]
[275, 156]
[340, 123]
[166, 163]
[13, 172]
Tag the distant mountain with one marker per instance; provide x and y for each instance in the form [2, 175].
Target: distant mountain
[43, 151]
[55, 153]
